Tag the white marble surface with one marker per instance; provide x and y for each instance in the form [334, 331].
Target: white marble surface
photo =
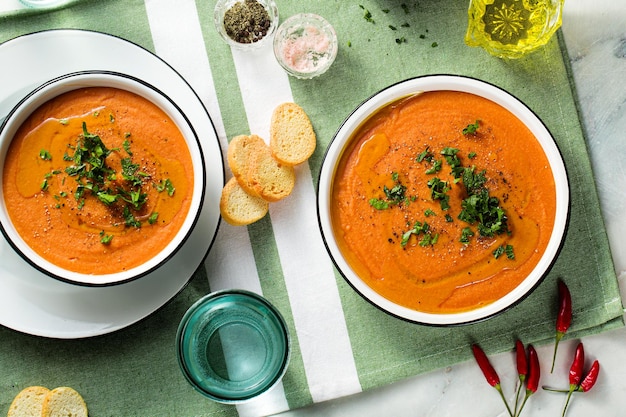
[595, 32]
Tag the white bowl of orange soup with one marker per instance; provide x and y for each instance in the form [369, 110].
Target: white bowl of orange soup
[443, 200]
[102, 178]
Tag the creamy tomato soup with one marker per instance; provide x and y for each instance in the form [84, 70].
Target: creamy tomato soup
[98, 180]
[443, 202]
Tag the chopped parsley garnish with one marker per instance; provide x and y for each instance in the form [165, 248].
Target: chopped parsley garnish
[123, 191]
[45, 155]
[423, 230]
[450, 154]
[435, 168]
[105, 239]
[126, 146]
[130, 219]
[501, 250]
[466, 234]
[425, 155]
[394, 195]
[471, 128]
[481, 211]
[167, 186]
[379, 204]
[439, 191]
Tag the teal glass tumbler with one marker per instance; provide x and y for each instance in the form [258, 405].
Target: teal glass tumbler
[233, 346]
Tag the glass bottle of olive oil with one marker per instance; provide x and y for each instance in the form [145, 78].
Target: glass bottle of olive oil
[512, 28]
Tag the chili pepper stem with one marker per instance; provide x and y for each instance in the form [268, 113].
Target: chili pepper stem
[569, 396]
[499, 389]
[526, 397]
[519, 390]
[563, 391]
[559, 336]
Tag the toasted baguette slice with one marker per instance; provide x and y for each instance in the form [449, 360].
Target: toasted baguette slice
[238, 155]
[240, 208]
[292, 138]
[270, 179]
[64, 402]
[29, 402]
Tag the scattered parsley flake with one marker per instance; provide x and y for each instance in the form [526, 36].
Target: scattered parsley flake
[471, 128]
[166, 185]
[367, 15]
[126, 146]
[379, 204]
[45, 155]
[105, 239]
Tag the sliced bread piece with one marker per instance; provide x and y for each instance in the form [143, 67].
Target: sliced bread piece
[29, 402]
[269, 178]
[238, 155]
[64, 402]
[240, 150]
[238, 207]
[292, 138]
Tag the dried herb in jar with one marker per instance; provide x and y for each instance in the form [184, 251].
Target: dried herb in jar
[247, 21]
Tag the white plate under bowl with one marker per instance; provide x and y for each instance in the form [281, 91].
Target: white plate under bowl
[32, 302]
[440, 83]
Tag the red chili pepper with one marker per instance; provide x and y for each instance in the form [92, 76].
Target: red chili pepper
[575, 373]
[576, 370]
[485, 366]
[489, 372]
[564, 317]
[590, 378]
[586, 384]
[522, 368]
[534, 373]
[522, 362]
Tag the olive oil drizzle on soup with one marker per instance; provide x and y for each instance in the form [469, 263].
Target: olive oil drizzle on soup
[413, 186]
[108, 218]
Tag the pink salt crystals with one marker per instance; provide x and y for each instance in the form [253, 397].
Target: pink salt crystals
[305, 45]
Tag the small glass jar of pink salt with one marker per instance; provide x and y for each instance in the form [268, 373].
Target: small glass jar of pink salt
[305, 45]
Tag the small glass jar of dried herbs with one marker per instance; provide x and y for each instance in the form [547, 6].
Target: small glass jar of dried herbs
[246, 24]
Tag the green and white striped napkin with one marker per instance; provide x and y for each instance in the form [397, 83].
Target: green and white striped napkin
[341, 344]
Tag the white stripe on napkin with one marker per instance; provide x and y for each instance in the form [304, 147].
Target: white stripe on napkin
[308, 271]
[230, 263]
